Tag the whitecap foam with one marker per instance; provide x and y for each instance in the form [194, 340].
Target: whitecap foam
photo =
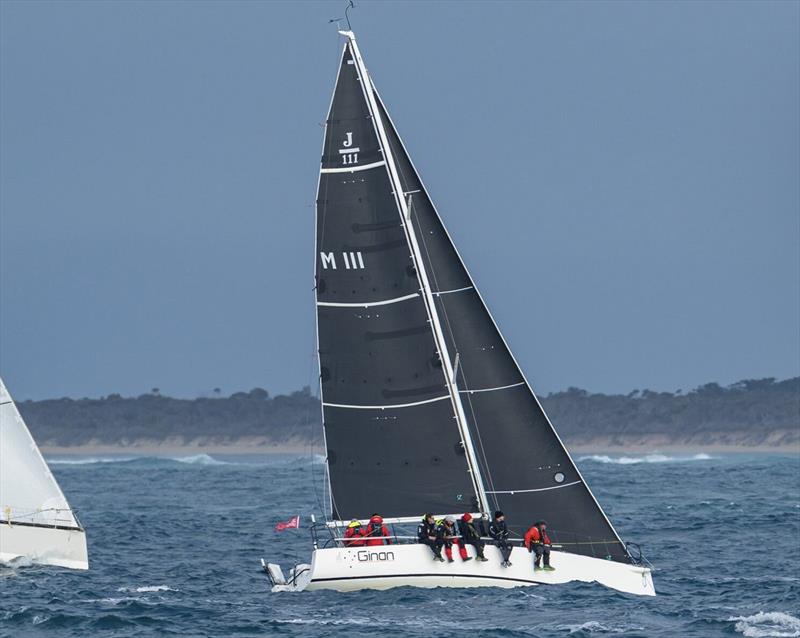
[147, 588]
[89, 460]
[648, 458]
[199, 459]
[593, 626]
[772, 624]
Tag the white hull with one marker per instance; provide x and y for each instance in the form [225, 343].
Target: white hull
[350, 569]
[43, 546]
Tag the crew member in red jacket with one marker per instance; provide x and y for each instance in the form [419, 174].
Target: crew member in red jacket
[375, 530]
[354, 532]
[538, 542]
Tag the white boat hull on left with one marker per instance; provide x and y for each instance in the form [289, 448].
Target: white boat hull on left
[384, 567]
[43, 545]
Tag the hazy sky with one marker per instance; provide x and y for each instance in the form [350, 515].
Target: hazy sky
[621, 179]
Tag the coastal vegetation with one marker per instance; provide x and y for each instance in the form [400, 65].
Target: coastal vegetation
[748, 413]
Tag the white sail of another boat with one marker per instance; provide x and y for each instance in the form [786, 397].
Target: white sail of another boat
[36, 521]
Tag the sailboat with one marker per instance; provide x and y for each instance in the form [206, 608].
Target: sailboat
[424, 407]
[36, 522]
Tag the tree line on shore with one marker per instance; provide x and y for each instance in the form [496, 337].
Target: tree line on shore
[750, 412]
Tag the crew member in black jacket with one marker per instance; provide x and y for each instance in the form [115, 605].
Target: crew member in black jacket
[426, 533]
[499, 532]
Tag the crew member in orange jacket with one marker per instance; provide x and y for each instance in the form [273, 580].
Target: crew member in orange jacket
[376, 529]
[354, 532]
[538, 542]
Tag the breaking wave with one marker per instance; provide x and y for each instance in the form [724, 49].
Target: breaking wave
[648, 458]
[147, 588]
[199, 459]
[772, 624]
[90, 460]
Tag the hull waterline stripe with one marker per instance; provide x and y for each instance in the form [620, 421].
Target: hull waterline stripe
[541, 489]
[368, 304]
[352, 169]
[502, 387]
[477, 576]
[63, 528]
[384, 407]
[448, 292]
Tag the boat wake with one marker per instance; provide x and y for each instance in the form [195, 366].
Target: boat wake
[772, 624]
[648, 458]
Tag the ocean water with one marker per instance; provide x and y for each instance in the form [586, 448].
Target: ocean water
[175, 546]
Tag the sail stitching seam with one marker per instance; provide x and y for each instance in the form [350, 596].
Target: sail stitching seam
[354, 169]
[539, 489]
[502, 387]
[384, 407]
[367, 304]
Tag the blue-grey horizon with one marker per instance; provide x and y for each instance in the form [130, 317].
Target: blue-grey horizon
[620, 178]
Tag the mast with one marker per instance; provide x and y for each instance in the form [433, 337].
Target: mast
[441, 344]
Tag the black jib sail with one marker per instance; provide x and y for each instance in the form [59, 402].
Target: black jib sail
[486, 419]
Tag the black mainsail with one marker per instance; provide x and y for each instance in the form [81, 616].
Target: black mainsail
[424, 406]
[392, 442]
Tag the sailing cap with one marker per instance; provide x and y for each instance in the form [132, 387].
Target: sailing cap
[467, 517]
[450, 520]
[355, 523]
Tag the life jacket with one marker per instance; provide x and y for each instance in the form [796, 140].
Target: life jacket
[443, 530]
[377, 528]
[536, 536]
[356, 534]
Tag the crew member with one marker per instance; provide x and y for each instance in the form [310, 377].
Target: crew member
[446, 533]
[499, 532]
[538, 542]
[426, 534]
[469, 536]
[355, 533]
[377, 533]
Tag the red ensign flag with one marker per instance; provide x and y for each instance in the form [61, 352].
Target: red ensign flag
[292, 523]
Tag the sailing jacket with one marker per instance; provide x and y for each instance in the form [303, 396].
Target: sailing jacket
[536, 536]
[468, 531]
[377, 530]
[445, 533]
[425, 530]
[498, 530]
[357, 536]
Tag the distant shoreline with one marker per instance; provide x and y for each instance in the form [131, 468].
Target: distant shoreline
[260, 447]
